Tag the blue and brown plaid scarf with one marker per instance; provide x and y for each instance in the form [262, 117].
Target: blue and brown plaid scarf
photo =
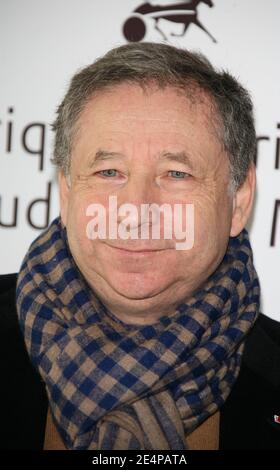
[117, 386]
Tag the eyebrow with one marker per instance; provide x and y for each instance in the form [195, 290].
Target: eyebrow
[180, 157]
[102, 155]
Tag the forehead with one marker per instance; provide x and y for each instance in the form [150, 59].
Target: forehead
[127, 115]
[130, 101]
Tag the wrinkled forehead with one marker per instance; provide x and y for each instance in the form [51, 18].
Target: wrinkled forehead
[127, 111]
[152, 103]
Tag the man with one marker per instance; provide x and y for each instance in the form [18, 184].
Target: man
[137, 343]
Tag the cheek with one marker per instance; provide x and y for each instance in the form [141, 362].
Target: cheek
[212, 222]
[78, 220]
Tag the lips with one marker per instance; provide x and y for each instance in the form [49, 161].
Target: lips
[137, 250]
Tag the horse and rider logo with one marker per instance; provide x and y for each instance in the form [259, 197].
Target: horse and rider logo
[134, 28]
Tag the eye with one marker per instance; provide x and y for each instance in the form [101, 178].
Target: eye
[110, 172]
[178, 174]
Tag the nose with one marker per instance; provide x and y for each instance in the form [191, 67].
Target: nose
[139, 190]
[146, 224]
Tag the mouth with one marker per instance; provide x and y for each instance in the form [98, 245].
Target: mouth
[137, 252]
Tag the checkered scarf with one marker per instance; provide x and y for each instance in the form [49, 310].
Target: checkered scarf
[113, 385]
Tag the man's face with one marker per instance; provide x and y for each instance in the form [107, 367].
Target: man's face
[141, 130]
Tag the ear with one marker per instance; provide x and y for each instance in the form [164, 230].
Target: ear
[243, 202]
[64, 191]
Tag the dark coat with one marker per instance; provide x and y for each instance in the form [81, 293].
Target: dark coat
[246, 419]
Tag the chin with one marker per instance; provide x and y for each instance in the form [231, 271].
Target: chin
[137, 285]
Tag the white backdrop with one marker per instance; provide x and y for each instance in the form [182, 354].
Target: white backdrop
[42, 44]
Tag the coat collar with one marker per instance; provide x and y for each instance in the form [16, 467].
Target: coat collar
[262, 349]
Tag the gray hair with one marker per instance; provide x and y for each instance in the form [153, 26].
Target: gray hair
[166, 65]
